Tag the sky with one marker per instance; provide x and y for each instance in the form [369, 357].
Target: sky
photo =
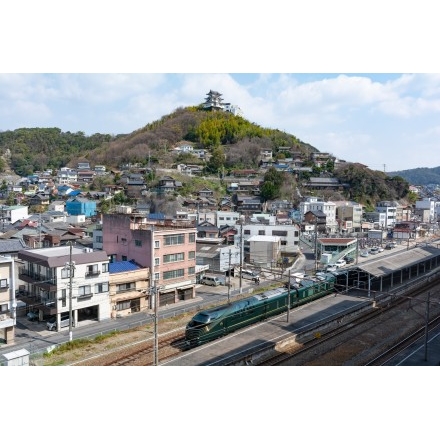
[385, 121]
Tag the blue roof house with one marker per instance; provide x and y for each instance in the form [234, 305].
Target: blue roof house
[81, 206]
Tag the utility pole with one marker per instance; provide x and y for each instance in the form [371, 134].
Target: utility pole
[156, 333]
[71, 264]
[229, 277]
[316, 243]
[357, 248]
[426, 327]
[288, 297]
[241, 257]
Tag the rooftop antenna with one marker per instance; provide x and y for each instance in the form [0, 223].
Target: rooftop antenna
[384, 166]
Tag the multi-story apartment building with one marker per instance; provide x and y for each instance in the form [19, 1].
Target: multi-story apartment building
[129, 288]
[289, 237]
[349, 216]
[168, 248]
[427, 204]
[7, 300]
[328, 208]
[389, 209]
[61, 278]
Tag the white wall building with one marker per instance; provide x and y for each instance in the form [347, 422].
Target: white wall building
[226, 218]
[13, 213]
[46, 277]
[389, 209]
[328, 208]
[7, 299]
[288, 234]
[264, 251]
[427, 204]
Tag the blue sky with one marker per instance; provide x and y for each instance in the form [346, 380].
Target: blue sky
[386, 121]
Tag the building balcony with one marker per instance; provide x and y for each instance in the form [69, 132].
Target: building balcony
[93, 273]
[6, 320]
[48, 306]
[32, 278]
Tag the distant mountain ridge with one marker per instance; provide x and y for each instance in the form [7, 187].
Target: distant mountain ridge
[419, 176]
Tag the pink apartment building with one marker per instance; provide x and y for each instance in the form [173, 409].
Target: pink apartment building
[166, 247]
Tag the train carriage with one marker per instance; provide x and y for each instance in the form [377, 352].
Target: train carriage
[214, 323]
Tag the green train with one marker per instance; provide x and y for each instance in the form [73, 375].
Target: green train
[214, 323]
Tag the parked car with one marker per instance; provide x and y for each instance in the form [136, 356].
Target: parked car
[364, 254]
[380, 249]
[390, 245]
[374, 250]
[33, 316]
[51, 323]
[331, 267]
[340, 263]
[250, 275]
[349, 259]
[210, 280]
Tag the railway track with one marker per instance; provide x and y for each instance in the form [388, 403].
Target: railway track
[388, 355]
[365, 340]
[140, 353]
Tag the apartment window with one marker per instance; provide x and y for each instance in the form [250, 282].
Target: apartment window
[138, 243]
[156, 244]
[104, 267]
[124, 287]
[283, 243]
[173, 274]
[191, 255]
[156, 261]
[123, 240]
[221, 218]
[247, 232]
[63, 298]
[101, 287]
[261, 232]
[279, 233]
[65, 272]
[3, 284]
[191, 270]
[92, 270]
[124, 257]
[84, 290]
[172, 258]
[98, 238]
[192, 237]
[123, 305]
[157, 276]
[171, 240]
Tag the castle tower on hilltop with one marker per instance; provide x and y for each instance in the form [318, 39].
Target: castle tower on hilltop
[214, 103]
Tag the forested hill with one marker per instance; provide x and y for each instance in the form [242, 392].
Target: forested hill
[420, 176]
[231, 141]
[37, 149]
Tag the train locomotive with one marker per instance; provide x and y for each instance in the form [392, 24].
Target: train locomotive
[216, 322]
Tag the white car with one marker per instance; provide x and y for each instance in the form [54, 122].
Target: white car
[340, 263]
[331, 267]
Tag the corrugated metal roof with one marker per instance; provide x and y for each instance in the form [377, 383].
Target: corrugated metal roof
[385, 265]
[123, 266]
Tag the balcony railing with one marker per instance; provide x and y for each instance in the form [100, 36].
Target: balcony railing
[93, 273]
[34, 278]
